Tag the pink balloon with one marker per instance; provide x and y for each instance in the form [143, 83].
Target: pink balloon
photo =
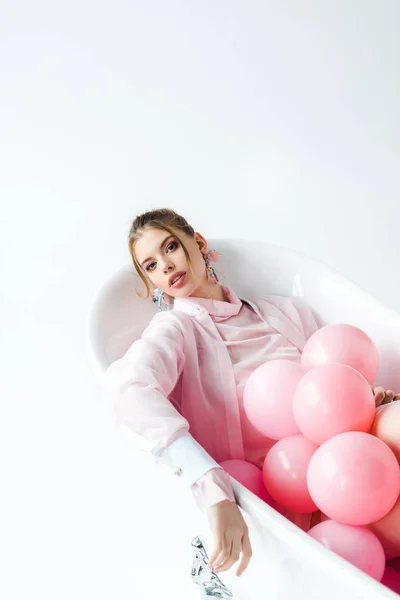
[354, 478]
[387, 530]
[268, 398]
[285, 473]
[332, 399]
[386, 426]
[344, 344]
[248, 475]
[391, 579]
[358, 545]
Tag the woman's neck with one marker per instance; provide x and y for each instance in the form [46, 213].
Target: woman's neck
[212, 291]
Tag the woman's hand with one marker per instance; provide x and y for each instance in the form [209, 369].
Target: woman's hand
[231, 537]
[383, 396]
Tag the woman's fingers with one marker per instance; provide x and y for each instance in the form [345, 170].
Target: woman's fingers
[216, 557]
[389, 395]
[383, 396]
[379, 394]
[233, 556]
[224, 562]
[238, 546]
[246, 553]
[236, 549]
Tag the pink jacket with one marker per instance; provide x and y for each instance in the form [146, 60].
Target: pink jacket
[178, 377]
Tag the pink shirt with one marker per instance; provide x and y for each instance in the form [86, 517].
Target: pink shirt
[250, 342]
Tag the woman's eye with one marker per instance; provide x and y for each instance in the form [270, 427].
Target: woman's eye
[173, 244]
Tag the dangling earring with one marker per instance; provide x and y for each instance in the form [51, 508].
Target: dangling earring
[211, 256]
[158, 296]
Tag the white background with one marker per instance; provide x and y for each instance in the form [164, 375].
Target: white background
[275, 120]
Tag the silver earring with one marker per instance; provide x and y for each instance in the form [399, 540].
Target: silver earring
[211, 255]
[158, 296]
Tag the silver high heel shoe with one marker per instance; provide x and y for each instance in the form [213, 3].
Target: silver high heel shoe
[204, 576]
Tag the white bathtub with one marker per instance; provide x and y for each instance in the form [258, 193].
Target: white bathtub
[286, 562]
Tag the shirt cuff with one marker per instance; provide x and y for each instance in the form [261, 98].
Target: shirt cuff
[211, 488]
[187, 459]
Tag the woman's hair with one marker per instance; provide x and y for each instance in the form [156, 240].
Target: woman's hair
[162, 218]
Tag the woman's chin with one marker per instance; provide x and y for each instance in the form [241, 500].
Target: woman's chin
[184, 291]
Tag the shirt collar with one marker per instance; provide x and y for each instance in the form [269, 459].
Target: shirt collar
[215, 308]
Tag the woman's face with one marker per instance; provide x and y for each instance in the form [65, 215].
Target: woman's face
[162, 259]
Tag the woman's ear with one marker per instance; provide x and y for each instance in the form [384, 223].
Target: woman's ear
[201, 242]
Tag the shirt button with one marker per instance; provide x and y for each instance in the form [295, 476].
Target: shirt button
[178, 471]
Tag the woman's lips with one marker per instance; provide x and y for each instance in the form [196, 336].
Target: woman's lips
[180, 282]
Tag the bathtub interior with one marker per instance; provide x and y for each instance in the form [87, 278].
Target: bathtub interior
[284, 559]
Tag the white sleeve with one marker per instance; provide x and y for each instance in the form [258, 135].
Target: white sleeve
[187, 459]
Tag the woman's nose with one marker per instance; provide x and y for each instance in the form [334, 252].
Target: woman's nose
[168, 267]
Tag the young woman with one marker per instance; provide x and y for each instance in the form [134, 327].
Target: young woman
[189, 369]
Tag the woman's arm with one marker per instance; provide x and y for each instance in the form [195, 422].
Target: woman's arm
[138, 385]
